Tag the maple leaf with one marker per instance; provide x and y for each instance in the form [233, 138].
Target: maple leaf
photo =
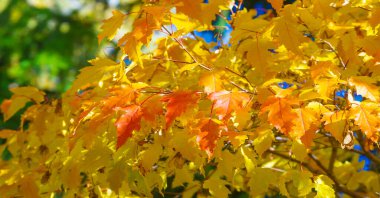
[365, 119]
[289, 35]
[276, 4]
[189, 7]
[111, 25]
[336, 124]
[280, 113]
[226, 102]
[364, 87]
[151, 108]
[131, 46]
[21, 96]
[102, 69]
[128, 122]
[210, 132]
[305, 118]
[119, 97]
[210, 9]
[177, 103]
[211, 82]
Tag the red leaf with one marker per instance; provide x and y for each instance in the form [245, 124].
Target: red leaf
[128, 122]
[225, 102]
[178, 103]
[210, 133]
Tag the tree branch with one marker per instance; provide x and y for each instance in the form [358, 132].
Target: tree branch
[339, 187]
[371, 156]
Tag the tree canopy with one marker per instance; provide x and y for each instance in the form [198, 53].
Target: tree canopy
[280, 104]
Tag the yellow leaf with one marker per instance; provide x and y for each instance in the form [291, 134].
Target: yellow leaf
[102, 69]
[10, 107]
[182, 176]
[21, 95]
[28, 187]
[289, 35]
[325, 87]
[364, 87]
[248, 159]
[299, 150]
[31, 93]
[132, 47]
[211, 82]
[217, 187]
[6, 133]
[375, 18]
[150, 156]
[116, 176]
[322, 7]
[71, 175]
[323, 186]
[295, 183]
[111, 25]
[260, 181]
[263, 142]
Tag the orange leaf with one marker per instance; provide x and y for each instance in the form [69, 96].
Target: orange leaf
[308, 138]
[225, 102]
[210, 133]
[276, 4]
[281, 114]
[365, 119]
[111, 25]
[128, 122]
[151, 108]
[303, 122]
[178, 103]
[189, 7]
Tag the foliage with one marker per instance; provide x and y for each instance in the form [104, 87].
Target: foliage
[288, 106]
[37, 37]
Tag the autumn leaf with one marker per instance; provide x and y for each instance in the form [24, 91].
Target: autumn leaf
[336, 124]
[127, 123]
[111, 25]
[189, 7]
[305, 119]
[177, 103]
[21, 96]
[131, 46]
[289, 35]
[276, 4]
[280, 113]
[210, 132]
[102, 69]
[211, 81]
[364, 87]
[151, 108]
[366, 119]
[226, 102]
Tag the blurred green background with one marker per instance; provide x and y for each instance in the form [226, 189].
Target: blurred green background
[44, 43]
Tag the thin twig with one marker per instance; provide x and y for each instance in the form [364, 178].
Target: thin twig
[371, 156]
[338, 186]
[187, 51]
[333, 156]
[344, 65]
